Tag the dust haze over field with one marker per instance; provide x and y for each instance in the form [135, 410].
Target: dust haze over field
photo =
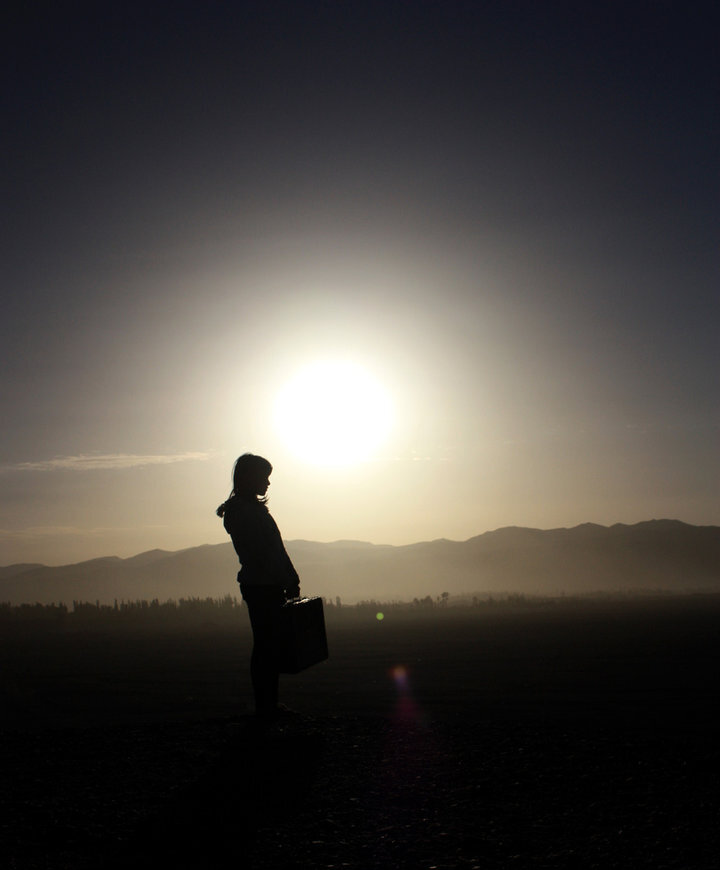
[455, 731]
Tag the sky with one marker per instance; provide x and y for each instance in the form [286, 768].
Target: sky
[502, 217]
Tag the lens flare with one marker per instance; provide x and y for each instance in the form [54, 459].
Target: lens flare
[400, 675]
[406, 710]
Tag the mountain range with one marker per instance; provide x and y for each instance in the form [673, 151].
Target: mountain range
[658, 555]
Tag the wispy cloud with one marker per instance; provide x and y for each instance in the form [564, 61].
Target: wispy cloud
[96, 461]
[34, 532]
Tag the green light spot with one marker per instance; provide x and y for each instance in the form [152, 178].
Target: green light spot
[379, 617]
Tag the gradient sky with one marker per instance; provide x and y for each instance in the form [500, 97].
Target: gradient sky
[506, 212]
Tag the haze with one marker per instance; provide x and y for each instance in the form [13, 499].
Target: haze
[505, 214]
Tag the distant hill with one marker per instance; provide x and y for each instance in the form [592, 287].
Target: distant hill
[665, 555]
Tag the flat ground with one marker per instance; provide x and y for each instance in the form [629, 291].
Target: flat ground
[495, 737]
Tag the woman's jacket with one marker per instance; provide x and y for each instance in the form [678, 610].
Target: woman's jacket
[257, 541]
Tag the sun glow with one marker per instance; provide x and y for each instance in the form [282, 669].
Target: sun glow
[333, 413]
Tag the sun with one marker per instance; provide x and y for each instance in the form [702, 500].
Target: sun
[333, 413]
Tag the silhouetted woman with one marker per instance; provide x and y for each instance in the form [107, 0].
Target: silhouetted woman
[267, 577]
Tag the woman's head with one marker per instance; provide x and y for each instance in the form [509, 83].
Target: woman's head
[250, 480]
[250, 476]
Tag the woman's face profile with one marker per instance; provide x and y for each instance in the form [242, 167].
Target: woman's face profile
[262, 484]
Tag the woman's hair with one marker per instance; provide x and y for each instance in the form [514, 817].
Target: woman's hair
[248, 469]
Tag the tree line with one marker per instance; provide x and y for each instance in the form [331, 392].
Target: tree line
[220, 611]
[216, 610]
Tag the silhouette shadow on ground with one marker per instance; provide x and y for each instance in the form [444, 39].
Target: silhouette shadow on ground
[373, 792]
[260, 778]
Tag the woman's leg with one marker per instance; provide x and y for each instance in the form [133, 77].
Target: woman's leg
[264, 603]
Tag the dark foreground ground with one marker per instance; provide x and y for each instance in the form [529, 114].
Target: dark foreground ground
[510, 737]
